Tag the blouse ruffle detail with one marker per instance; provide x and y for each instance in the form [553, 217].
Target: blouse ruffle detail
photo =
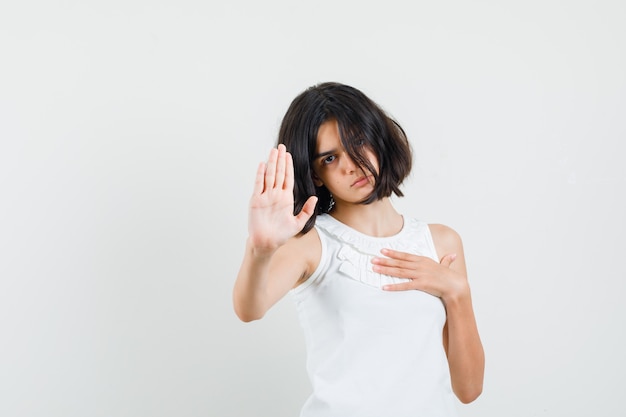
[358, 250]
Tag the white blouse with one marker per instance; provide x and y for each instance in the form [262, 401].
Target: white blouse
[370, 352]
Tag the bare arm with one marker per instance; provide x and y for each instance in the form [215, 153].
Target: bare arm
[273, 261]
[466, 357]
[447, 280]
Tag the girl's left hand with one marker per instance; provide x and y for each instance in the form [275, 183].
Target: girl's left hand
[425, 274]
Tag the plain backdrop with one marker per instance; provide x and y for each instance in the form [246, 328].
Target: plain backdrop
[130, 132]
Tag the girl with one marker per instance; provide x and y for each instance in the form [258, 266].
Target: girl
[383, 298]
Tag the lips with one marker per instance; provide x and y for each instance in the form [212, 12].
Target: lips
[360, 182]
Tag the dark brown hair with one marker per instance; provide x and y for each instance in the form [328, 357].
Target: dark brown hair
[359, 119]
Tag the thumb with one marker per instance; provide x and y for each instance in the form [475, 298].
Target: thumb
[307, 210]
[448, 259]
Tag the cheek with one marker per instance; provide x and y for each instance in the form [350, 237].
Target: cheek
[322, 176]
[373, 160]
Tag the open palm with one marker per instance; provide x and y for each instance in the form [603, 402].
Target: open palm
[271, 221]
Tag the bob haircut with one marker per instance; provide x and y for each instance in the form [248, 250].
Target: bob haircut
[360, 121]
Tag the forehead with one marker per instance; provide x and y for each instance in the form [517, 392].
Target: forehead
[328, 137]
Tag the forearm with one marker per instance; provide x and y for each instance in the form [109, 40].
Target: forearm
[268, 270]
[465, 351]
[250, 292]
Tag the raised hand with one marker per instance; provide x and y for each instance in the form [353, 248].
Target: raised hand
[425, 274]
[271, 221]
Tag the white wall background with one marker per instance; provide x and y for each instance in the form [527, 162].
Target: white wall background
[130, 132]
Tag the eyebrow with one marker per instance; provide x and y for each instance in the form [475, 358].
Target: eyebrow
[321, 154]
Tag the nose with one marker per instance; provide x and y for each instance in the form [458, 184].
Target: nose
[347, 163]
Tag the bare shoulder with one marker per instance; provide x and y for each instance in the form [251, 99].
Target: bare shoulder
[309, 242]
[305, 249]
[446, 239]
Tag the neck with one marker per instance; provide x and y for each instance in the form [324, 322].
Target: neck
[378, 219]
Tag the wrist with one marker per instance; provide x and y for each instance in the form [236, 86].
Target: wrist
[261, 250]
[457, 298]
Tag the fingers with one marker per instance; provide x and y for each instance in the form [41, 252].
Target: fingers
[394, 254]
[309, 206]
[404, 286]
[448, 259]
[270, 169]
[403, 256]
[385, 267]
[307, 211]
[288, 172]
[424, 273]
[397, 260]
[276, 168]
[281, 160]
[259, 180]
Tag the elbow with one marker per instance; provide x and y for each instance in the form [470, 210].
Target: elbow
[249, 307]
[247, 317]
[246, 314]
[469, 394]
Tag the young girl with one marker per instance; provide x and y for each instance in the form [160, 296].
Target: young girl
[383, 298]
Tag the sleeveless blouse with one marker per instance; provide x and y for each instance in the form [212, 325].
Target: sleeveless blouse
[370, 352]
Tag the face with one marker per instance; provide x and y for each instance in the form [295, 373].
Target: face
[335, 169]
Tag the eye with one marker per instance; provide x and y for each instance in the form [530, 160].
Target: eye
[360, 142]
[328, 159]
